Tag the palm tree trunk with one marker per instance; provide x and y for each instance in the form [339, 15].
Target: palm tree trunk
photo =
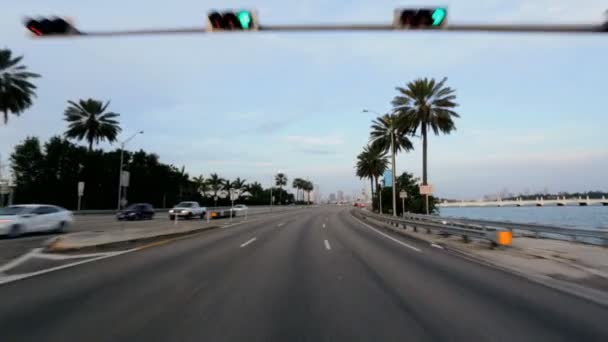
[371, 184]
[393, 175]
[90, 145]
[280, 195]
[424, 174]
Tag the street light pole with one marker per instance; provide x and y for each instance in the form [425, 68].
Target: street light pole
[122, 150]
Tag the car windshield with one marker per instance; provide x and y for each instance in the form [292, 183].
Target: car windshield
[133, 207]
[185, 205]
[12, 210]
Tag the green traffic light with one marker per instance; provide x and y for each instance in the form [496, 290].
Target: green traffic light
[438, 16]
[245, 19]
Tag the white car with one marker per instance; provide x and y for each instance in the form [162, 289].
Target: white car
[187, 210]
[29, 218]
[240, 207]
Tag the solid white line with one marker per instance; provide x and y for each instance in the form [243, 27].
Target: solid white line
[388, 236]
[19, 260]
[52, 256]
[15, 277]
[327, 245]
[323, 225]
[436, 246]
[248, 242]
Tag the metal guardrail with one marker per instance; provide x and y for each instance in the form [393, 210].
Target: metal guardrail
[495, 235]
[592, 236]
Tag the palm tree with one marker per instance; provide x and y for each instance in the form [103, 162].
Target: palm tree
[297, 184]
[239, 184]
[308, 187]
[371, 164]
[389, 133]
[201, 184]
[215, 184]
[88, 120]
[16, 90]
[426, 104]
[280, 180]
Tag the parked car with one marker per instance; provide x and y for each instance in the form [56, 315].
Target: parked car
[187, 210]
[137, 211]
[29, 218]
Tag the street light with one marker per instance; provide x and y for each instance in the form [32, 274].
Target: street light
[381, 180]
[122, 150]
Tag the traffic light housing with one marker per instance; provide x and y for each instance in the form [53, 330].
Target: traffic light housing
[53, 26]
[425, 18]
[241, 20]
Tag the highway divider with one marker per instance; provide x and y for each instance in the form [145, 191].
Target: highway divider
[497, 236]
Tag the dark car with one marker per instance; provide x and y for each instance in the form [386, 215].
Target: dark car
[137, 211]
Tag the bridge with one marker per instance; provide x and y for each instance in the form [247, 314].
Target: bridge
[539, 202]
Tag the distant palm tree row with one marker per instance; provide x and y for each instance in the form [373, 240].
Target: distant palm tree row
[423, 105]
[304, 186]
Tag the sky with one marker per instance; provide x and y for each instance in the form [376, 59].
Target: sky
[532, 106]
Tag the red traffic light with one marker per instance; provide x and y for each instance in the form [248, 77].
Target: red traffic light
[54, 26]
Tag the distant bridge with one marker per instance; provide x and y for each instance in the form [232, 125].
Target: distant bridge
[539, 202]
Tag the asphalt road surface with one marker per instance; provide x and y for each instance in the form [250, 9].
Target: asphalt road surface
[315, 275]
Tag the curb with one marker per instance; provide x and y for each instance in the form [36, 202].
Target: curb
[592, 295]
[55, 245]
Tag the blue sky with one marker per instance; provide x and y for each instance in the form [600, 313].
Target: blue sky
[532, 106]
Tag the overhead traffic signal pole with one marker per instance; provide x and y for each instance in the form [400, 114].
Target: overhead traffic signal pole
[231, 21]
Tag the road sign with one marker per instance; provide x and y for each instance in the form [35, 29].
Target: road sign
[426, 189]
[402, 194]
[124, 178]
[388, 179]
[80, 188]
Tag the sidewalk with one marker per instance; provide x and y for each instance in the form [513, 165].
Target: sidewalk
[577, 267]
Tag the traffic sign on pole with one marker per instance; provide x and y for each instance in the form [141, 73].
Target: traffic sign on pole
[426, 189]
[402, 194]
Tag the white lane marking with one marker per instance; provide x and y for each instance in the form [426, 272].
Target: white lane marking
[15, 277]
[52, 256]
[327, 245]
[436, 246]
[388, 236]
[247, 242]
[20, 260]
[280, 224]
[323, 225]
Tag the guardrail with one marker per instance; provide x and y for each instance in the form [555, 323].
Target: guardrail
[586, 235]
[497, 236]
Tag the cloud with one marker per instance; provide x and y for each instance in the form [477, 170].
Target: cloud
[317, 151]
[314, 140]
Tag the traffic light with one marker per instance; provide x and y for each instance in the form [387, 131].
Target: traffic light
[233, 21]
[420, 18]
[54, 26]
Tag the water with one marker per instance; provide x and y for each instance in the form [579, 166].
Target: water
[568, 216]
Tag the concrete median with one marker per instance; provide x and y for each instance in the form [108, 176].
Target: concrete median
[130, 237]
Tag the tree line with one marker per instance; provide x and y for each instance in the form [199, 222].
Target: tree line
[50, 172]
[421, 107]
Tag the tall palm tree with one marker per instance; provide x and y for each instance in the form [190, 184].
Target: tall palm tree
[280, 180]
[239, 184]
[201, 184]
[371, 164]
[308, 187]
[389, 133]
[297, 184]
[16, 90]
[89, 120]
[425, 103]
[215, 184]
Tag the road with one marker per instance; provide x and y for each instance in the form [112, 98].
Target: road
[315, 275]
